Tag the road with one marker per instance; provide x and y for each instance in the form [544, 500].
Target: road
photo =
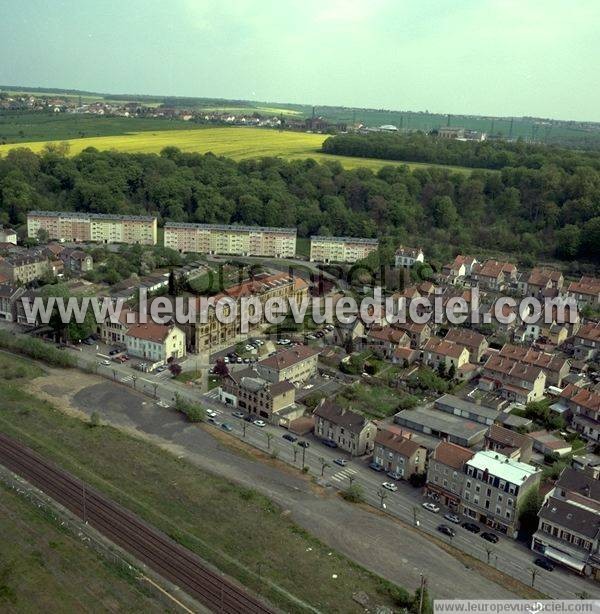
[509, 556]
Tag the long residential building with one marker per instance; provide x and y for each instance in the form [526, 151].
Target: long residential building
[74, 226]
[340, 249]
[234, 240]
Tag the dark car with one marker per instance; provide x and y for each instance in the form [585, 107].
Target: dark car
[226, 427]
[303, 444]
[470, 526]
[113, 352]
[250, 418]
[290, 437]
[446, 530]
[329, 443]
[491, 537]
[375, 466]
[544, 564]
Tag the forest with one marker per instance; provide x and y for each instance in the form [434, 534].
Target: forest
[547, 205]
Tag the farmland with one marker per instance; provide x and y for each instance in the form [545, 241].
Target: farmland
[234, 142]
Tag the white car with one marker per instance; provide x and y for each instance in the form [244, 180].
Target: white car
[106, 363]
[249, 348]
[260, 423]
[390, 486]
[431, 507]
[226, 359]
[211, 413]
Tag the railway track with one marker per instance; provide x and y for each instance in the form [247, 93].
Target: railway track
[158, 551]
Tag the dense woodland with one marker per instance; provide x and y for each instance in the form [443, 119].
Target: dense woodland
[547, 205]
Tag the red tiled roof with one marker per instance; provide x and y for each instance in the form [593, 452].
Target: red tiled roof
[452, 454]
[399, 444]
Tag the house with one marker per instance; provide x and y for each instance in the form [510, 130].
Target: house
[417, 333]
[350, 431]
[586, 292]
[446, 474]
[114, 333]
[495, 488]
[587, 341]
[257, 396]
[345, 332]
[398, 454]
[385, 339]
[541, 279]
[555, 367]
[447, 355]
[514, 380]
[569, 523]
[511, 444]
[494, 275]
[461, 267]
[8, 235]
[155, 342]
[407, 256]
[584, 406]
[405, 356]
[295, 365]
[76, 261]
[475, 342]
[9, 296]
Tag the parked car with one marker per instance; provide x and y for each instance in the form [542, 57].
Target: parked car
[431, 507]
[162, 368]
[212, 421]
[375, 466]
[290, 437]
[113, 352]
[446, 530]
[89, 341]
[250, 418]
[106, 363]
[260, 423]
[210, 412]
[237, 414]
[390, 486]
[226, 359]
[304, 444]
[226, 427]
[394, 475]
[249, 348]
[452, 518]
[471, 526]
[329, 443]
[491, 537]
[544, 564]
[342, 462]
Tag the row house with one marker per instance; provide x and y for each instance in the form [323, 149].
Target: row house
[555, 367]
[440, 353]
[494, 275]
[398, 454]
[495, 487]
[586, 292]
[474, 341]
[349, 430]
[514, 380]
[587, 341]
[541, 279]
[584, 407]
[385, 340]
[569, 523]
[446, 474]
[408, 256]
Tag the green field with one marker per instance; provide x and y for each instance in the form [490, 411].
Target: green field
[236, 143]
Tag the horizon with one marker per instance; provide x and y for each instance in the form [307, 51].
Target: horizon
[489, 59]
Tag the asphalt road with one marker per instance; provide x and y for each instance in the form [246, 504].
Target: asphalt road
[509, 556]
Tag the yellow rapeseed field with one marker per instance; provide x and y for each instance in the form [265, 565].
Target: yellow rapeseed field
[236, 143]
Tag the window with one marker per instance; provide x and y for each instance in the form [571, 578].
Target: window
[468, 483]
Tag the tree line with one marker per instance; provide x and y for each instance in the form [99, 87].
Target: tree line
[545, 209]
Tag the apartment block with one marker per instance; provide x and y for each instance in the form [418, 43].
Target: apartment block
[235, 240]
[495, 486]
[77, 227]
[295, 365]
[340, 249]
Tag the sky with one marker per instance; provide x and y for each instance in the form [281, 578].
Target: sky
[481, 57]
